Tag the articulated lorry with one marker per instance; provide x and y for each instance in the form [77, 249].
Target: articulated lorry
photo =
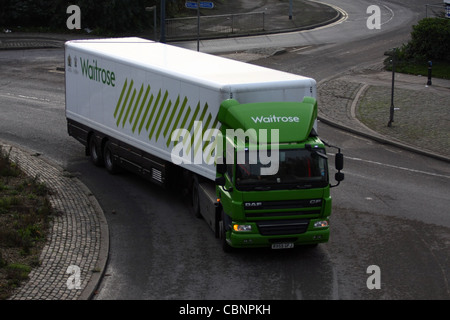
[242, 139]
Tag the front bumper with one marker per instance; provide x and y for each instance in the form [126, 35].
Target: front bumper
[254, 239]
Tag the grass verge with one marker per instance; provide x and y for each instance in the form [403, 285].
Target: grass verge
[25, 214]
[421, 118]
[440, 69]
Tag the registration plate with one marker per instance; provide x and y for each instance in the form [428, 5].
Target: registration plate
[282, 245]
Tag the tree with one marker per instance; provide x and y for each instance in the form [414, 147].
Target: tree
[430, 40]
[105, 16]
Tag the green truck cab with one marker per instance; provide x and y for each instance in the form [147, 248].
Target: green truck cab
[289, 206]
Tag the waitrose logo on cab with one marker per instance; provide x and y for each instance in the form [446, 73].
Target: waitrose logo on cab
[96, 73]
[274, 118]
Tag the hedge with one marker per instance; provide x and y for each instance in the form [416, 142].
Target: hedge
[103, 16]
[430, 40]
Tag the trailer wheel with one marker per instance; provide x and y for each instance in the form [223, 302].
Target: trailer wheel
[195, 198]
[109, 158]
[94, 152]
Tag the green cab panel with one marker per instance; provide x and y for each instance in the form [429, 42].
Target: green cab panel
[294, 120]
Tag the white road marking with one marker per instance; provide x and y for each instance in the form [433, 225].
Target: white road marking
[395, 167]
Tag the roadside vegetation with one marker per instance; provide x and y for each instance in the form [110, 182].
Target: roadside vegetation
[417, 111]
[25, 214]
[430, 41]
[102, 17]
[129, 17]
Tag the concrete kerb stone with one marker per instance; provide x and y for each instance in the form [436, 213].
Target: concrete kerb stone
[78, 235]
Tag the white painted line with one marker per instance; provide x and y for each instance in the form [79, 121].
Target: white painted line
[395, 167]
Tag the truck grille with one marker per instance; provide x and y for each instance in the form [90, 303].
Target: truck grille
[282, 227]
[285, 204]
[307, 206]
[283, 213]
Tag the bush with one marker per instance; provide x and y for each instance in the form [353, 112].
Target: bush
[430, 40]
[25, 216]
[2, 261]
[17, 272]
[103, 16]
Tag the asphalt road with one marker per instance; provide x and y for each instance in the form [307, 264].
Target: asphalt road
[391, 211]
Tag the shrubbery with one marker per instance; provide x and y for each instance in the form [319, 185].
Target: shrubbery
[25, 215]
[430, 41]
[102, 16]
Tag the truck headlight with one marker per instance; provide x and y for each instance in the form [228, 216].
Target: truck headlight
[242, 227]
[321, 224]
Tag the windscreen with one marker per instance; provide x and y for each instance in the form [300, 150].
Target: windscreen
[297, 169]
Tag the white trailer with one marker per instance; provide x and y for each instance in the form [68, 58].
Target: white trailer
[134, 93]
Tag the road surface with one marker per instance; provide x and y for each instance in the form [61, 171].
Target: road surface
[391, 211]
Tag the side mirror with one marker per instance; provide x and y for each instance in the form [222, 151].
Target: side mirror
[339, 164]
[339, 161]
[339, 176]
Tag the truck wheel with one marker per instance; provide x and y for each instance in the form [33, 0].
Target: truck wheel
[109, 160]
[94, 152]
[223, 236]
[195, 198]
